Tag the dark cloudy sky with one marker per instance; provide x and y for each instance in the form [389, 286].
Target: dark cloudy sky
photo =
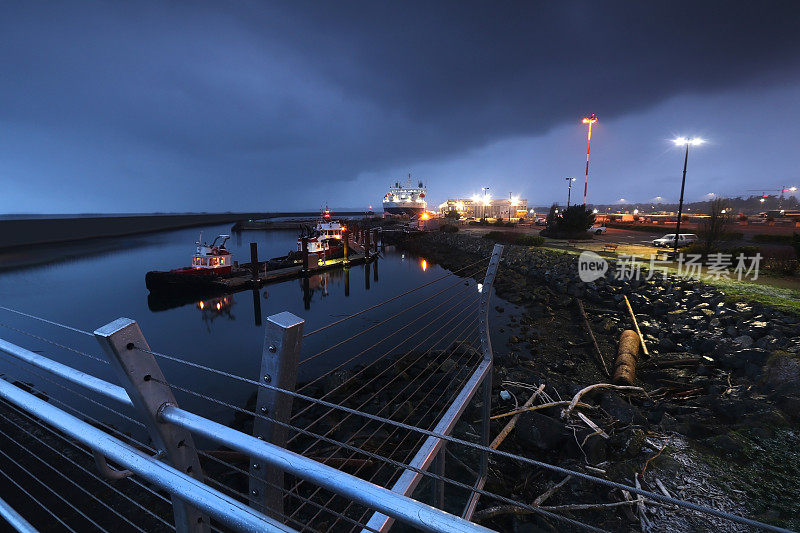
[176, 106]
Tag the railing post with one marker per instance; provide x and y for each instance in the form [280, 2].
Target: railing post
[140, 375]
[282, 341]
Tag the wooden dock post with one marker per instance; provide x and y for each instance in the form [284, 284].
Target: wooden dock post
[304, 244]
[346, 245]
[366, 245]
[256, 307]
[254, 260]
[375, 240]
[347, 281]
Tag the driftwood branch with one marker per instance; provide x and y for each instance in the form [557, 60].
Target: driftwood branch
[549, 492]
[591, 336]
[513, 422]
[576, 399]
[542, 406]
[636, 325]
[513, 509]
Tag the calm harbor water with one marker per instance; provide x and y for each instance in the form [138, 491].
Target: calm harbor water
[93, 289]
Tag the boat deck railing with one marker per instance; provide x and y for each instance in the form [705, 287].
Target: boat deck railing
[392, 428]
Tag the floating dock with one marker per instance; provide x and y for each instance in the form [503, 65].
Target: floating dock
[256, 274]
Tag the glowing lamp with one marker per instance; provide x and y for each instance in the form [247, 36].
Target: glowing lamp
[683, 141]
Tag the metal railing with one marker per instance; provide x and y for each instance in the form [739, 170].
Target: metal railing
[337, 457]
[171, 430]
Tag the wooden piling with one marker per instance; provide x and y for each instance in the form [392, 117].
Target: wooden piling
[304, 244]
[254, 260]
[366, 244]
[346, 245]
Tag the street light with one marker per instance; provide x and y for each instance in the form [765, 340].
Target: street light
[683, 141]
[485, 201]
[569, 190]
[588, 120]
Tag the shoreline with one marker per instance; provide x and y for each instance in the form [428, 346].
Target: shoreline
[719, 425]
[18, 233]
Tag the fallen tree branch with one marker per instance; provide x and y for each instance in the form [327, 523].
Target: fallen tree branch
[513, 422]
[542, 406]
[591, 336]
[636, 325]
[549, 492]
[513, 509]
[575, 399]
[648, 461]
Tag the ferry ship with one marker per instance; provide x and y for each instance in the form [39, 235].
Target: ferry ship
[406, 200]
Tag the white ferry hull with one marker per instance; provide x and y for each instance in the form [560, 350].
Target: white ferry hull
[405, 208]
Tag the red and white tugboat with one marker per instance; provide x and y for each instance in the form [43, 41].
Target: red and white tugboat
[326, 238]
[209, 262]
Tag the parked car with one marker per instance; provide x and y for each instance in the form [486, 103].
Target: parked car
[597, 230]
[541, 222]
[668, 240]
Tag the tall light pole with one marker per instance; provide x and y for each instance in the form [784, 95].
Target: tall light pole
[588, 120]
[484, 189]
[683, 141]
[569, 190]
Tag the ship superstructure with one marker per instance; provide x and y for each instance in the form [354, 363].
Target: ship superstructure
[406, 200]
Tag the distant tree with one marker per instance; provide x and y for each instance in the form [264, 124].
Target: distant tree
[552, 216]
[575, 219]
[455, 215]
[713, 228]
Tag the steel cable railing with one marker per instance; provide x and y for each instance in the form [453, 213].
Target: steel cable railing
[54, 343]
[380, 358]
[387, 439]
[50, 489]
[399, 394]
[276, 487]
[397, 464]
[49, 511]
[377, 324]
[61, 474]
[653, 496]
[88, 472]
[110, 429]
[46, 321]
[393, 298]
[420, 343]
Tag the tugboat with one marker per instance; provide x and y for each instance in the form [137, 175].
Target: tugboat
[209, 262]
[325, 239]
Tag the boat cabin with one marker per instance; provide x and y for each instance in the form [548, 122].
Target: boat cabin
[213, 256]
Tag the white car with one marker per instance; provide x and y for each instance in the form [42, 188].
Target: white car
[668, 240]
[597, 230]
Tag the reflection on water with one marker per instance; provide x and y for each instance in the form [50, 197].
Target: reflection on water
[215, 331]
[215, 308]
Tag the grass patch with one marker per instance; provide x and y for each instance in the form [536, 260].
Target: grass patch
[510, 237]
[772, 239]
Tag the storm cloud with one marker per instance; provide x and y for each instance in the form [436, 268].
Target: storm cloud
[176, 106]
